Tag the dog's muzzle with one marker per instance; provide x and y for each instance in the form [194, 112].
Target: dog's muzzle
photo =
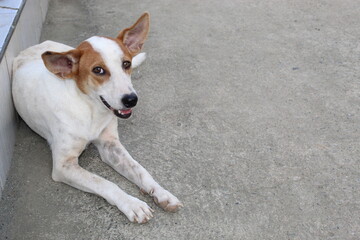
[121, 113]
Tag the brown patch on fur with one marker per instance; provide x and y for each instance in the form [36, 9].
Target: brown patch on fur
[77, 64]
[89, 60]
[127, 54]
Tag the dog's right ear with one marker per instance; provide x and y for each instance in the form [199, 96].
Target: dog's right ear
[64, 64]
[134, 37]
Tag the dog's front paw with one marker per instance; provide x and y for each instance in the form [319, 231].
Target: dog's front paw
[136, 210]
[166, 200]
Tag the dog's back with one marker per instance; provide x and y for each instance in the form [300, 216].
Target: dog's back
[33, 53]
[39, 96]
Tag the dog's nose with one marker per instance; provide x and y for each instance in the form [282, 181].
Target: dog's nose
[129, 100]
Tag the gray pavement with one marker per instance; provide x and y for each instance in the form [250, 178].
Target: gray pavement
[249, 113]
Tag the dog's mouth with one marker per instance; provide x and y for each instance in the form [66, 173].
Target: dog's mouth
[121, 113]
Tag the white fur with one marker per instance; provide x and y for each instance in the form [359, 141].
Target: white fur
[138, 60]
[69, 120]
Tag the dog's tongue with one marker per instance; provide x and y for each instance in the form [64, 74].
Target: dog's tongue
[124, 112]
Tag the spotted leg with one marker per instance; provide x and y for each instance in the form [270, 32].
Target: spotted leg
[66, 169]
[113, 153]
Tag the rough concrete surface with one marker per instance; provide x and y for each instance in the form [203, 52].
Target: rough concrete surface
[248, 112]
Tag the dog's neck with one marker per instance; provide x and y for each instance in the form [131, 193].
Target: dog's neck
[92, 100]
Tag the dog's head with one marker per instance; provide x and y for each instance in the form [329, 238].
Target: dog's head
[102, 66]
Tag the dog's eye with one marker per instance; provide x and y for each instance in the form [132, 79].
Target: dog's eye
[98, 71]
[126, 64]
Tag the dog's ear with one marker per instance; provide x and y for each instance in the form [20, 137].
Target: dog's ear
[62, 64]
[134, 37]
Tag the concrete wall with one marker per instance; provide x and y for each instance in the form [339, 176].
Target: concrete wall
[21, 23]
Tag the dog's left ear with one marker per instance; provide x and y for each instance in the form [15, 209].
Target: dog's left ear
[135, 36]
[62, 64]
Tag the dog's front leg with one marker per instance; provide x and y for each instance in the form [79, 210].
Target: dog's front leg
[113, 153]
[66, 169]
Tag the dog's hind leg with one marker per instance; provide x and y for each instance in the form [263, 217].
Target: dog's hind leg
[113, 153]
[66, 169]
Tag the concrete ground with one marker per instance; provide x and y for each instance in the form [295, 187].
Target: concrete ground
[249, 113]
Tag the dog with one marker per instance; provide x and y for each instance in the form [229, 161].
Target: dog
[73, 97]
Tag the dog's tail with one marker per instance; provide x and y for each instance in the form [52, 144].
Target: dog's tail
[138, 60]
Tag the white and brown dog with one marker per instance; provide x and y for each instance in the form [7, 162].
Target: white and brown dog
[73, 97]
